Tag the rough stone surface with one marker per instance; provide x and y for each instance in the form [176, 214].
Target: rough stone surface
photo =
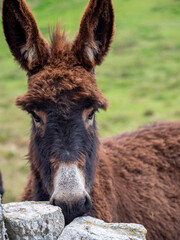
[3, 234]
[33, 220]
[88, 228]
[41, 221]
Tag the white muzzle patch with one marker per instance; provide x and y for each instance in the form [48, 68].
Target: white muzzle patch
[69, 184]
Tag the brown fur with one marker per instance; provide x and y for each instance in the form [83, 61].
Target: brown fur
[138, 180]
[137, 174]
[22, 18]
[96, 11]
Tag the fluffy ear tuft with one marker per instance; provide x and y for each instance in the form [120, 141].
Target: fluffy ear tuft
[95, 33]
[25, 41]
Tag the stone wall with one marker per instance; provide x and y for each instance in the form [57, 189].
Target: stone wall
[41, 221]
[3, 234]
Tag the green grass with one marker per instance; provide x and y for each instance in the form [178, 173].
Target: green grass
[140, 77]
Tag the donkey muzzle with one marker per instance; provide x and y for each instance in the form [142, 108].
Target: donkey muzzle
[73, 210]
[70, 192]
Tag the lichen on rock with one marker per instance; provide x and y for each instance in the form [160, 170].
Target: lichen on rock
[41, 221]
[88, 228]
[33, 220]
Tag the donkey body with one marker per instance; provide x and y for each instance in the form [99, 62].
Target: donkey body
[134, 177]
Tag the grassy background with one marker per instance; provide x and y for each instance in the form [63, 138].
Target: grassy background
[140, 76]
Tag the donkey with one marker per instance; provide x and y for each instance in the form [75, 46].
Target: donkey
[133, 177]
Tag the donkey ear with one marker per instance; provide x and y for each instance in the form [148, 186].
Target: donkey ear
[95, 33]
[25, 41]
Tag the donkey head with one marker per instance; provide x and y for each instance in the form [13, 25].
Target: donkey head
[62, 99]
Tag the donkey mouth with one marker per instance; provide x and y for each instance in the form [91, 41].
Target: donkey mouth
[78, 209]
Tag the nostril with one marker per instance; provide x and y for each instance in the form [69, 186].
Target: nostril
[84, 204]
[53, 202]
[88, 203]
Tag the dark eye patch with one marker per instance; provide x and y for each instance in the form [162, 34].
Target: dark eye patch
[36, 117]
[90, 116]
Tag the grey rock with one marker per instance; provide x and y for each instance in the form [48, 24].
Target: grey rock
[33, 221]
[88, 228]
[3, 234]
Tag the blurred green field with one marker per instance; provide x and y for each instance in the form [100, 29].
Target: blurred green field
[140, 76]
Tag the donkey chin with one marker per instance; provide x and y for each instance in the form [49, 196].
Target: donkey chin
[70, 193]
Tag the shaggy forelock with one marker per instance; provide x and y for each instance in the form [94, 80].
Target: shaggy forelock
[63, 80]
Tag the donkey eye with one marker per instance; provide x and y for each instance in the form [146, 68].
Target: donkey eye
[91, 115]
[36, 117]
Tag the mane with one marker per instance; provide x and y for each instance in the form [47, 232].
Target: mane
[59, 43]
